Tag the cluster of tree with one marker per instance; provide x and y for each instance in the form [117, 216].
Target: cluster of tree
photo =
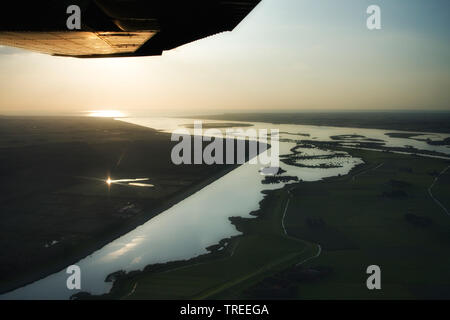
[394, 194]
[418, 221]
[115, 275]
[283, 285]
[444, 142]
[406, 169]
[292, 162]
[399, 183]
[315, 222]
[278, 179]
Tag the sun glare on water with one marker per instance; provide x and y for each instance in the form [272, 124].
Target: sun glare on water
[135, 182]
[106, 113]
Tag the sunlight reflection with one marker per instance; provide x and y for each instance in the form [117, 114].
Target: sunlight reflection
[143, 185]
[130, 182]
[125, 248]
[106, 114]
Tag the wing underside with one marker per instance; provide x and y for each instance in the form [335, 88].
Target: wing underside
[114, 28]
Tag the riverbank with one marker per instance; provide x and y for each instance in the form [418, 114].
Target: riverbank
[56, 207]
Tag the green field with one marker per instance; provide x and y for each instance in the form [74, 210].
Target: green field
[362, 227]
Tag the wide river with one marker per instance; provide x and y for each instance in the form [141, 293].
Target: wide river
[186, 229]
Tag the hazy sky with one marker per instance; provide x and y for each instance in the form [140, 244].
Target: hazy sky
[287, 55]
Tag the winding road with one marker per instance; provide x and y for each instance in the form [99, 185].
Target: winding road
[319, 247]
[431, 194]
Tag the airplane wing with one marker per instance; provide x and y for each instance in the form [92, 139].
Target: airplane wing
[117, 28]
